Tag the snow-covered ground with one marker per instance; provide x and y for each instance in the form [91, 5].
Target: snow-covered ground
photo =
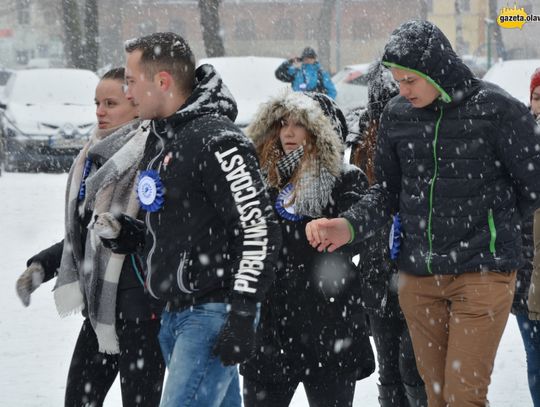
[36, 345]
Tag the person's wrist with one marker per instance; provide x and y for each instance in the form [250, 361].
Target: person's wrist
[351, 231]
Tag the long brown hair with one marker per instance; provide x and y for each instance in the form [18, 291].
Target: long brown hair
[269, 151]
[363, 155]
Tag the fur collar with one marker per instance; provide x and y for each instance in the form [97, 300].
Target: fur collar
[306, 111]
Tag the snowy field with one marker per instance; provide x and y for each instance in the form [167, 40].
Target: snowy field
[36, 345]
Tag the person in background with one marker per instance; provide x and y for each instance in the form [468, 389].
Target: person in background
[211, 240]
[400, 384]
[456, 157]
[120, 331]
[526, 306]
[312, 326]
[306, 74]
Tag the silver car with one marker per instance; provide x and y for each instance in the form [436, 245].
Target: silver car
[46, 116]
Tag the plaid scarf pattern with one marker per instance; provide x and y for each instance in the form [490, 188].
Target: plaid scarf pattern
[313, 189]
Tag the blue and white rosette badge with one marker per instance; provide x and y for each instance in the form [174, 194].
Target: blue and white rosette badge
[285, 210]
[394, 240]
[150, 191]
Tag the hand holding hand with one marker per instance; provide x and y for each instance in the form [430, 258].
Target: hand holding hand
[236, 341]
[328, 234]
[29, 280]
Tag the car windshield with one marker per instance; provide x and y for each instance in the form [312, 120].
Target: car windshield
[52, 86]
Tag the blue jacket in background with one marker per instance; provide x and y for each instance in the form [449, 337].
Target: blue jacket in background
[308, 78]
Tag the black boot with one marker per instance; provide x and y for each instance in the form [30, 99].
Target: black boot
[416, 395]
[392, 395]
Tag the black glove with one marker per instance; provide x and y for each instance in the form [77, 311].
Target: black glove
[236, 341]
[128, 232]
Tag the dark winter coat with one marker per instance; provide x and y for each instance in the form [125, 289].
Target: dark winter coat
[461, 170]
[523, 278]
[307, 78]
[214, 238]
[378, 271]
[312, 321]
[132, 302]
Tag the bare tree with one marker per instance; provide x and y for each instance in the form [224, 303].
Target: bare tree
[210, 26]
[72, 33]
[496, 30]
[91, 34]
[81, 49]
[460, 44]
[324, 31]
[423, 6]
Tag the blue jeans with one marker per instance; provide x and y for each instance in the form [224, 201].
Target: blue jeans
[196, 377]
[530, 332]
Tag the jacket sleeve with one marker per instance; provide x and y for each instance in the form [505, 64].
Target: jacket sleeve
[233, 183]
[49, 259]
[374, 209]
[329, 85]
[354, 186]
[517, 142]
[283, 72]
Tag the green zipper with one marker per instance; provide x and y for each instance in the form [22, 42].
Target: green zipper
[444, 95]
[431, 188]
[492, 232]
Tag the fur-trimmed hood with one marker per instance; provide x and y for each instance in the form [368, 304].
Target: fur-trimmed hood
[316, 112]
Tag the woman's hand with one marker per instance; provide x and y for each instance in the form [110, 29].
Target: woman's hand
[328, 234]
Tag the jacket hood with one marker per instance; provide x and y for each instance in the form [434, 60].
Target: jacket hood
[316, 112]
[209, 97]
[421, 47]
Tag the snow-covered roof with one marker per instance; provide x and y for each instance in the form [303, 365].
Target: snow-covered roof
[513, 76]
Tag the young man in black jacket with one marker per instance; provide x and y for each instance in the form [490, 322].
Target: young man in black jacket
[211, 239]
[458, 158]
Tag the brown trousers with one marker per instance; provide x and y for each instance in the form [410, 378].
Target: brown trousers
[456, 323]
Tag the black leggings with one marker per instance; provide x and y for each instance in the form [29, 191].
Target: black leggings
[395, 353]
[335, 392]
[140, 364]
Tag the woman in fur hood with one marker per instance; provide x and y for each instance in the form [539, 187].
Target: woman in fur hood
[312, 327]
[121, 322]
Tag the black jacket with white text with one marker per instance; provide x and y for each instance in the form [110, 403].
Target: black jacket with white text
[214, 238]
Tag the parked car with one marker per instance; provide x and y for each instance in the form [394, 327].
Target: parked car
[46, 116]
[251, 81]
[351, 86]
[5, 74]
[514, 76]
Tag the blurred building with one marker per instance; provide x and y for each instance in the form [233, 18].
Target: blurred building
[32, 30]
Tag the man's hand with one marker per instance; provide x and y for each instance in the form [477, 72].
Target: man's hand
[236, 341]
[328, 234]
[29, 280]
[120, 233]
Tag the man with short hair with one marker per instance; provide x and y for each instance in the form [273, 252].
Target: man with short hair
[458, 158]
[306, 74]
[211, 241]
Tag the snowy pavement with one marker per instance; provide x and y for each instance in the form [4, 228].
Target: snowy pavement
[36, 345]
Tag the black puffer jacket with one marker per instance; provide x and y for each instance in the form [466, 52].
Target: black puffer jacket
[214, 237]
[312, 321]
[461, 171]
